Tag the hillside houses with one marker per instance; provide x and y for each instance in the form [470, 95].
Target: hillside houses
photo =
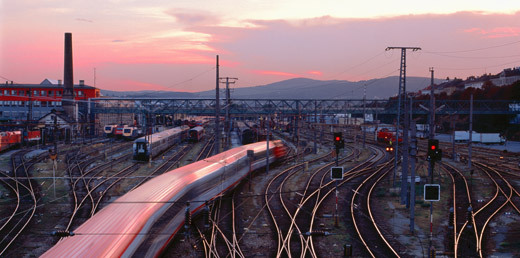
[506, 77]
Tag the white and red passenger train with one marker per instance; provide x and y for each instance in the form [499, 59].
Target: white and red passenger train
[143, 221]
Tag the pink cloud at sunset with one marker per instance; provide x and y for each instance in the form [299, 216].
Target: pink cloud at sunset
[169, 45]
[318, 73]
[130, 85]
[500, 32]
[275, 73]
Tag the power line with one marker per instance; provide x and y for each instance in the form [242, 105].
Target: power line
[472, 50]
[475, 68]
[475, 57]
[192, 78]
[367, 84]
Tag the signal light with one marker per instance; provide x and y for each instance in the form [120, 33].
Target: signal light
[338, 141]
[434, 152]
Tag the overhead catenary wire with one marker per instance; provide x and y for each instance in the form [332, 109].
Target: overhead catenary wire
[472, 50]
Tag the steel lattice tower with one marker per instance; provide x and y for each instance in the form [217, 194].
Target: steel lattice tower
[401, 106]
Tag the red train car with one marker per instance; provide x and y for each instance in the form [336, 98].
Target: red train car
[13, 139]
[10, 139]
[387, 136]
[196, 134]
[33, 136]
[118, 130]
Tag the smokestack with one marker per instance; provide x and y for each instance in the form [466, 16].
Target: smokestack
[81, 82]
[68, 78]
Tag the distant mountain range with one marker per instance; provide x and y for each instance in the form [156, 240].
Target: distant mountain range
[298, 88]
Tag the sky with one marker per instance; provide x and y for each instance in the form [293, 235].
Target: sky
[172, 45]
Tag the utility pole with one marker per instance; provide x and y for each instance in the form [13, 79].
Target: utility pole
[402, 100]
[315, 126]
[54, 134]
[217, 114]
[470, 130]
[430, 163]
[29, 117]
[432, 108]
[228, 103]
[453, 153]
[413, 154]
[364, 114]
[267, 140]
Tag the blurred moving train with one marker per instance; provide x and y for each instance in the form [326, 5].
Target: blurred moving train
[142, 222]
[12, 139]
[153, 145]
[196, 134]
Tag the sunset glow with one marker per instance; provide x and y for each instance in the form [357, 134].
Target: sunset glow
[157, 44]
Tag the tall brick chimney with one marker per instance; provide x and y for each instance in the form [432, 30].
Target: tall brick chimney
[68, 78]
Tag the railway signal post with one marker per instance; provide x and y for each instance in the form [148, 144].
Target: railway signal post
[339, 144]
[336, 174]
[431, 193]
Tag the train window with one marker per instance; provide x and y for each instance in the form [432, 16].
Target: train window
[6, 92]
[50, 93]
[80, 93]
[21, 92]
[43, 93]
[13, 92]
[58, 93]
[35, 93]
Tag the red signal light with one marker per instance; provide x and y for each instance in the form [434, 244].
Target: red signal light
[433, 147]
[337, 138]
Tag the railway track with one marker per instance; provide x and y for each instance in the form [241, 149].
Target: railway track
[503, 196]
[26, 193]
[462, 230]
